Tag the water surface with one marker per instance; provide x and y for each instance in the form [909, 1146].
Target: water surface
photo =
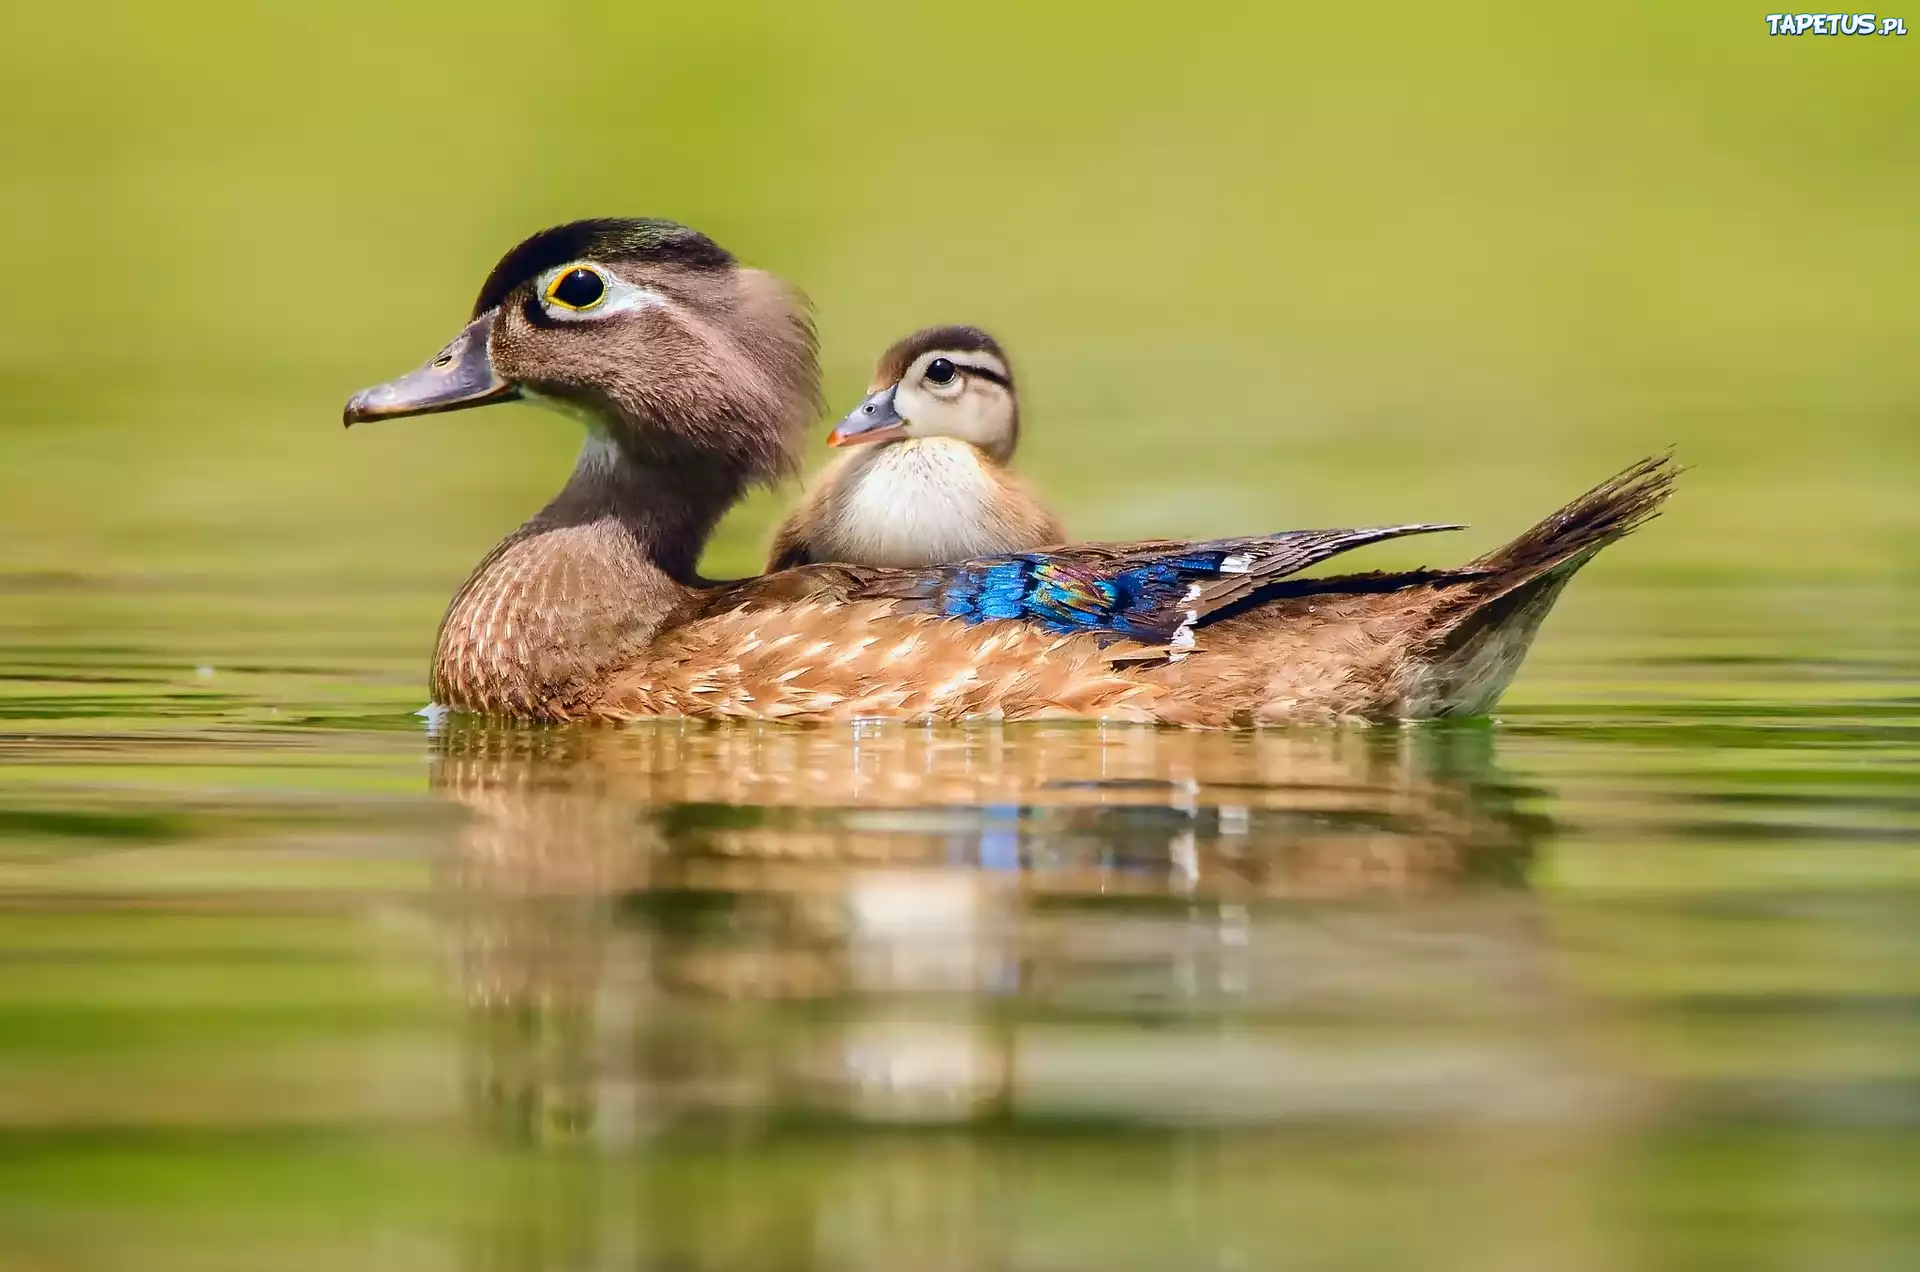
[1623, 978]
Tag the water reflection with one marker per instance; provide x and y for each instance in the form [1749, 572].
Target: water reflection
[1041, 926]
[1067, 809]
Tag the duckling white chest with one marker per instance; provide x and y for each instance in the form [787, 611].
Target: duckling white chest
[918, 502]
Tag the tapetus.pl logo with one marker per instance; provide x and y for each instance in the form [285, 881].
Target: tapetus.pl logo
[1834, 24]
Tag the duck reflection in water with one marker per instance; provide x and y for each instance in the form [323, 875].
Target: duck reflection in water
[754, 924]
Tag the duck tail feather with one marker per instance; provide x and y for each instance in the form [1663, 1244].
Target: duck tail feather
[1569, 538]
[1477, 649]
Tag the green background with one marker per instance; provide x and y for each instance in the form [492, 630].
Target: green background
[1260, 266]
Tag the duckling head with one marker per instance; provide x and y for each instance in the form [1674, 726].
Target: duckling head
[649, 331]
[941, 382]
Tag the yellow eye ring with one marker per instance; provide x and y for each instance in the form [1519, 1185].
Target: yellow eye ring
[577, 289]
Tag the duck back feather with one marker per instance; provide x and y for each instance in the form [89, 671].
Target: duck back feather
[1214, 634]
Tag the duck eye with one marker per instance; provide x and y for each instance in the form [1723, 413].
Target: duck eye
[941, 371]
[577, 289]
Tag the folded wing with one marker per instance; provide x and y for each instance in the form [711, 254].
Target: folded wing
[1155, 593]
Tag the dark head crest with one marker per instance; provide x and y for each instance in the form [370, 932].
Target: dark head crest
[895, 361]
[601, 239]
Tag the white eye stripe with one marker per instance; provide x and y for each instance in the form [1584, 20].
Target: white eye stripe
[982, 364]
[622, 297]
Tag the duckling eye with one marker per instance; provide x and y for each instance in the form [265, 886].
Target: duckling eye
[577, 289]
[941, 371]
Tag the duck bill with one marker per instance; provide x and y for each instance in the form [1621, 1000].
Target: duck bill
[459, 376]
[875, 420]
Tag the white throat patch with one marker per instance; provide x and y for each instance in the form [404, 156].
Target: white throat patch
[916, 503]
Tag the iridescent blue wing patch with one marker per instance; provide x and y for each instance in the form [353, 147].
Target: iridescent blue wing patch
[1155, 593]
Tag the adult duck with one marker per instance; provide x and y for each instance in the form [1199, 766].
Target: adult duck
[694, 375]
[924, 480]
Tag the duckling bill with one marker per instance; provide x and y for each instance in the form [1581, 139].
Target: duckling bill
[696, 375]
[925, 480]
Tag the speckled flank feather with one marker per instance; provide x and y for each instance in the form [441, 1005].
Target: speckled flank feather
[834, 660]
[540, 622]
[1093, 631]
[1081, 634]
[1379, 646]
[827, 661]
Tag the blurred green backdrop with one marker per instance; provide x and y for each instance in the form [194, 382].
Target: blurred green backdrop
[1260, 266]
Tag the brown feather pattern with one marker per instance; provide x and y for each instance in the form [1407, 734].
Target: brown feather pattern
[1378, 646]
[827, 643]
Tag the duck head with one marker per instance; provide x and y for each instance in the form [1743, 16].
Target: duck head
[941, 382]
[648, 330]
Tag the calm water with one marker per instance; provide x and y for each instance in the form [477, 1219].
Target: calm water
[1625, 979]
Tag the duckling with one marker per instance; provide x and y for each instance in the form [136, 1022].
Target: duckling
[928, 483]
[696, 374]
